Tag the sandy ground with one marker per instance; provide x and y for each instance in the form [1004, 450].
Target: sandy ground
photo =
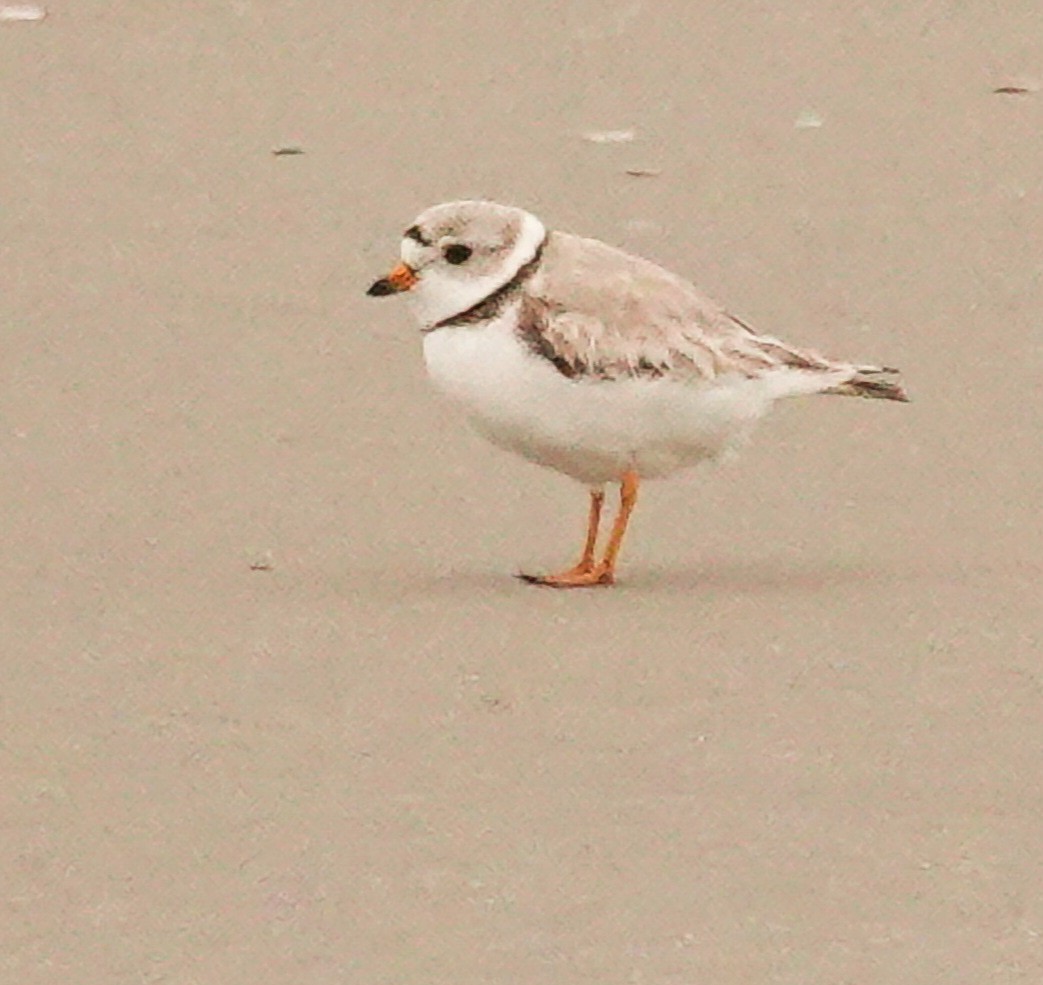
[799, 744]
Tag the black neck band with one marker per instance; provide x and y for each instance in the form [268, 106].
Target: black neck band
[492, 305]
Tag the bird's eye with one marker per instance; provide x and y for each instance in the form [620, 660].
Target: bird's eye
[457, 253]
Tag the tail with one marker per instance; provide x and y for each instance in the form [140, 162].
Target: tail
[871, 382]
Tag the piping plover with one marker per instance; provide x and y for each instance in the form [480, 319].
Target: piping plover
[588, 360]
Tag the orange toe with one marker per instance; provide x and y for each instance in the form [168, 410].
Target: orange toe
[579, 577]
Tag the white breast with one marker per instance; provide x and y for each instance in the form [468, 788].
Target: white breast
[592, 430]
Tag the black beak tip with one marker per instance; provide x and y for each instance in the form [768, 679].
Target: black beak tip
[380, 288]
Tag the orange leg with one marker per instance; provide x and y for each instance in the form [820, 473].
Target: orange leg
[586, 562]
[627, 502]
[588, 572]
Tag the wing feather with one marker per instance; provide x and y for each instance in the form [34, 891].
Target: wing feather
[595, 311]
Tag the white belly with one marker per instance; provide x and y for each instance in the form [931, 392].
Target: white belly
[593, 430]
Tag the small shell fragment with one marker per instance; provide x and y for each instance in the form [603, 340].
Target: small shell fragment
[1016, 85]
[262, 562]
[808, 120]
[644, 172]
[609, 136]
[22, 12]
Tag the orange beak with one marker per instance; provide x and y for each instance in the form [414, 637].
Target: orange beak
[402, 278]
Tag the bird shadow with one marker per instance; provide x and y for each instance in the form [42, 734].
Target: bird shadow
[766, 575]
[732, 576]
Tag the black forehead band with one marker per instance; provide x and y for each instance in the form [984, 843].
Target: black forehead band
[413, 232]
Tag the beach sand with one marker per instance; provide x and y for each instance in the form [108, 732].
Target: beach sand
[274, 709]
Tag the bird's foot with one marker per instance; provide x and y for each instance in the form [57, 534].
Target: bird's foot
[581, 576]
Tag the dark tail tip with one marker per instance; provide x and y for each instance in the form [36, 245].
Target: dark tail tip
[875, 389]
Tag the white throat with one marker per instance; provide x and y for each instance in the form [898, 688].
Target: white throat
[437, 296]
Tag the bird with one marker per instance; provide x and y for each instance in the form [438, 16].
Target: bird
[591, 361]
